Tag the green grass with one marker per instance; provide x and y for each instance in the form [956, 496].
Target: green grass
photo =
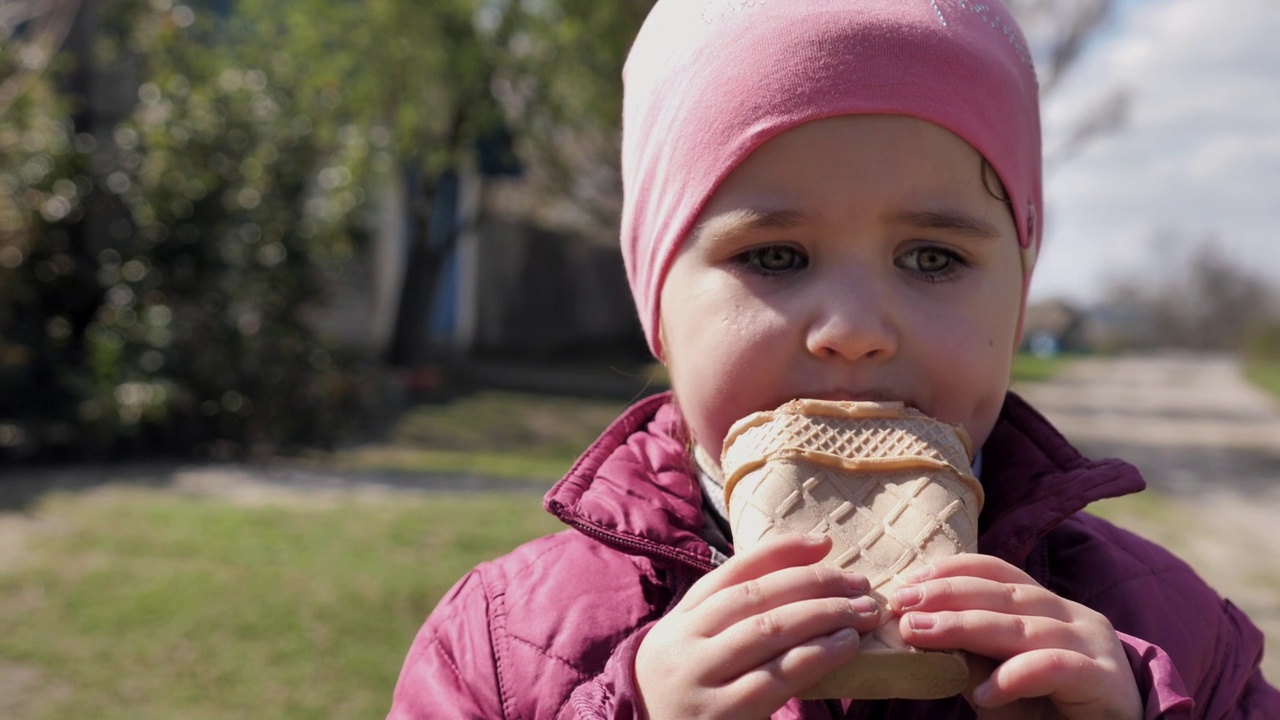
[149, 604]
[1265, 374]
[547, 425]
[1029, 368]
[513, 466]
[1164, 519]
[500, 434]
[1149, 507]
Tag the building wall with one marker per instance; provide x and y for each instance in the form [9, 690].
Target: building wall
[522, 293]
[544, 294]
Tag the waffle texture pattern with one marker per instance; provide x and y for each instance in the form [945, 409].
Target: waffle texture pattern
[890, 485]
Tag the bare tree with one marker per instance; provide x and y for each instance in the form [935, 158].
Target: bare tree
[1058, 31]
[1207, 301]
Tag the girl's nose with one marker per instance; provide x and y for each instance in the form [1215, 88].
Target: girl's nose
[853, 323]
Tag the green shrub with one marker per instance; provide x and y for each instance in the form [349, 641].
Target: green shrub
[46, 290]
[186, 329]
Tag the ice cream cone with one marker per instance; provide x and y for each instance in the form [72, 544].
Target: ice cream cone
[894, 490]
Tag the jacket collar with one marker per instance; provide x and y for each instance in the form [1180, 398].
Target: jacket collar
[635, 488]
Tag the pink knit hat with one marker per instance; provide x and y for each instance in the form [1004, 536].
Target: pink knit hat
[708, 81]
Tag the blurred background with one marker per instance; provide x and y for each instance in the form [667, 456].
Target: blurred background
[304, 302]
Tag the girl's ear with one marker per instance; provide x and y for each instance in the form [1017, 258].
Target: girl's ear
[994, 186]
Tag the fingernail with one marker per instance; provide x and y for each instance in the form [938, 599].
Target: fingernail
[815, 538]
[920, 621]
[844, 635]
[909, 597]
[982, 694]
[864, 605]
[857, 584]
[920, 574]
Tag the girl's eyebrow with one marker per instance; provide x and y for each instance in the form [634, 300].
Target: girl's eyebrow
[954, 221]
[745, 220]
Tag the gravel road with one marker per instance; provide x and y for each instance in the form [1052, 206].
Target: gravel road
[1208, 444]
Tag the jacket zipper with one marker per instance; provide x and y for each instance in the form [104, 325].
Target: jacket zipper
[625, 542]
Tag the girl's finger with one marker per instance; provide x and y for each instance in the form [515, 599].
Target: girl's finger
[974, 565]
[995, 635]
[759, 639]
[774, 682]
[974, 593]
[756, 596]
[774, 554]
[1072, 679]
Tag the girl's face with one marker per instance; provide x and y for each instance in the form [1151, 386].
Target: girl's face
[852, 258]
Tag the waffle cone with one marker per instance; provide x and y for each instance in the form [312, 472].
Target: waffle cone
[893, 489]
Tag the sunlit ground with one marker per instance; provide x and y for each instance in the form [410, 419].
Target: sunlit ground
[142, 603]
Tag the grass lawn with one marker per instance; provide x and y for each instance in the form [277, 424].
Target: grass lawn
[494, 433]
[1265, 374]
[1148, 509]
[1029, 368]
[142, 603]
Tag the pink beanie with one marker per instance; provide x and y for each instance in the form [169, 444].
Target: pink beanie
[708, 81]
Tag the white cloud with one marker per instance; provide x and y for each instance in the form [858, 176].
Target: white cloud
[1198, 155]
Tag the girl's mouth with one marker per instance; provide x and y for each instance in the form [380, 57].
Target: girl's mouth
[872, 395]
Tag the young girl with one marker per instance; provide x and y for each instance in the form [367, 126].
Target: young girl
[829, 199]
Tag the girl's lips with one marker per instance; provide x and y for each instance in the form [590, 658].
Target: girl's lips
[875, 395]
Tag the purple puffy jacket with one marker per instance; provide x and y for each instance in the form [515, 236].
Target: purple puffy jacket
[551, 630]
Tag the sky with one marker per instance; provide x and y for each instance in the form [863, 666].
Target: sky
[1196, 159]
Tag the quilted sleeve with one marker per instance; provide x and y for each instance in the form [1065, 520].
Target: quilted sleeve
[1193, 653]
[1163, 694]
[1235, 688]
[451, 664]
[611, 695]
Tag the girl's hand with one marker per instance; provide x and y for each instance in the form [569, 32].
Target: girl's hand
[753, 632]
[1053, 657]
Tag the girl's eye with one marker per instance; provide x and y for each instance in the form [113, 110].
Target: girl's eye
[773, 259]
[931, 262]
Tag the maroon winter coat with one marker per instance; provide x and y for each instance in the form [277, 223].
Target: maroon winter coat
[551, 630]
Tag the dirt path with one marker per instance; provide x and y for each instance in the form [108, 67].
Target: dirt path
[1208, 444]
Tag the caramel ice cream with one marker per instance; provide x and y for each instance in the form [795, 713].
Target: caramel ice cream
[894, 490]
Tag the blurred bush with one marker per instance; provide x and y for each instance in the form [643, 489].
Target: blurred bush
[44, 292]
[158, 277]
[187, 330]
